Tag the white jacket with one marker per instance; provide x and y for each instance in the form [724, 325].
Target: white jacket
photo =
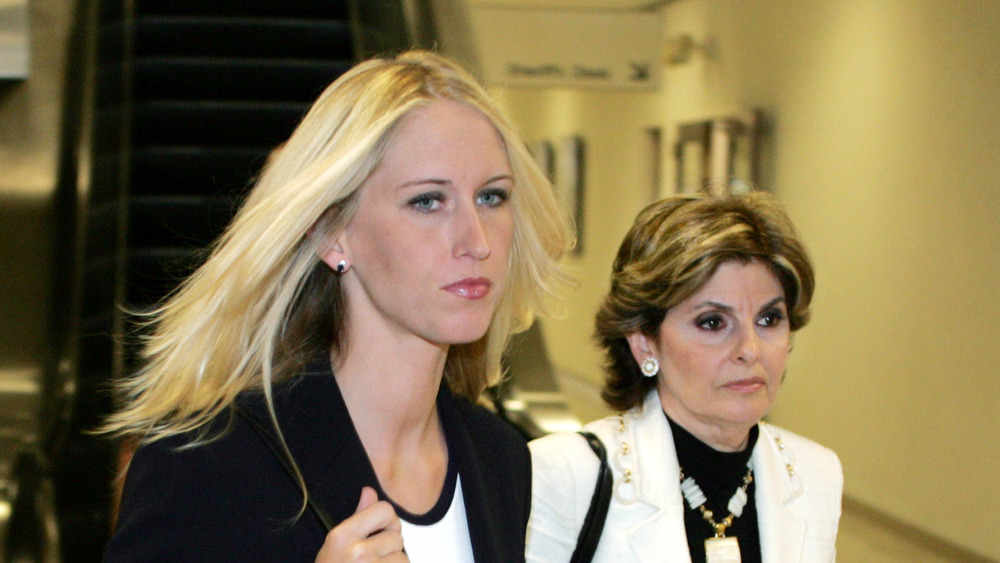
[798, 489]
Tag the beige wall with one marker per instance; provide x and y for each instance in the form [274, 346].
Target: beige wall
[885, 146]
[31, 122]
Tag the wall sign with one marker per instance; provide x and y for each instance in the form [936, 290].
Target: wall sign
[575, 48]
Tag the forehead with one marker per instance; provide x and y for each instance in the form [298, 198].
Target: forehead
[442, 120]
[445, 136]
[444, 142]
[736, 279]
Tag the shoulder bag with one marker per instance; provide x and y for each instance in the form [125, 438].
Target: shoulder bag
[593, 524]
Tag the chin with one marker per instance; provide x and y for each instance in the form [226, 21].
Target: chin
[465, 335]
[748, 414]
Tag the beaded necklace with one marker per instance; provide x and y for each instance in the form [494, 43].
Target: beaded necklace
[696, 500]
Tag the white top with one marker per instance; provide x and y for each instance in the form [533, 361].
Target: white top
[446, 540]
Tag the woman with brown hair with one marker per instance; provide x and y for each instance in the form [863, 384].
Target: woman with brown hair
[705, 295]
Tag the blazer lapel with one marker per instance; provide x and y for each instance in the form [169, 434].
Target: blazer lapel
[782, 531]
[314, 412]
[485, 544]
[661, 536]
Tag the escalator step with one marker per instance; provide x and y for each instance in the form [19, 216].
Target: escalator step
[229, 79]
[242, 38]
[185, 221]
[195, 170]
[210, 123]
[332, 9]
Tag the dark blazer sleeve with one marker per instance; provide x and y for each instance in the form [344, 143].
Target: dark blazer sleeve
[229, 500]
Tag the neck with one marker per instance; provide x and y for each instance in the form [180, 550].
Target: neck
[719, 435]
[391, 394]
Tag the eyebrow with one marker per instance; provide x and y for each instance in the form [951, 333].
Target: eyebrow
[443, 182]
[728, 309]
[435, 181]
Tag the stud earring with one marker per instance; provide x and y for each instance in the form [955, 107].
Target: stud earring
[650, 367]
[341, 266]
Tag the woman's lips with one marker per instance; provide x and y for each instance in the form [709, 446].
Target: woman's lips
[747, 385]
[471, 288]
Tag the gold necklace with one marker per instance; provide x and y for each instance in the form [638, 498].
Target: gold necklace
[720, 548]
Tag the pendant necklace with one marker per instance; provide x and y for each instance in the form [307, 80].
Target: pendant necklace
[720, 549]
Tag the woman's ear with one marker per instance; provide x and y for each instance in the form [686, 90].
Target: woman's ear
[331, 251]
[642, 346]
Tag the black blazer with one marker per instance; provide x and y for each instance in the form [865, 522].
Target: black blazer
[231, 500]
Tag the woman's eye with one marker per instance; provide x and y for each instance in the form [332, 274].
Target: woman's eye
[426, 202]
[494, 197]
[771, 318]
[711, 322]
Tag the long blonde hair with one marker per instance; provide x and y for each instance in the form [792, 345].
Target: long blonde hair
[263, 304]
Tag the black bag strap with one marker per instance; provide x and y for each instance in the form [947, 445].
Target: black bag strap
[593, 524]
[284, 457]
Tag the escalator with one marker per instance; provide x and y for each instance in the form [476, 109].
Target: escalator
[189, 98]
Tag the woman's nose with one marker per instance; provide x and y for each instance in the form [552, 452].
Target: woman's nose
[748, 348]
[471, 237]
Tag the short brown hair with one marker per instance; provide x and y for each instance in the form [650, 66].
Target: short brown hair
[672, 250]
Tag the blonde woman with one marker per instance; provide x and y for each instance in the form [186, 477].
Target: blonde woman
[696, 329]
[309, 394]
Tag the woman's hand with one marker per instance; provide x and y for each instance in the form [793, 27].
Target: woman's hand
[371, 534]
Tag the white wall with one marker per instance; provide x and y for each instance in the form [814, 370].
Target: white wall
[885, 147]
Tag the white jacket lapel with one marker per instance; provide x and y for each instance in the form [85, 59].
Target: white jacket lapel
[660, 537]
[782, 531]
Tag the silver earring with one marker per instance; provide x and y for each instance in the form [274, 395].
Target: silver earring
[341, 266]
[650, 367]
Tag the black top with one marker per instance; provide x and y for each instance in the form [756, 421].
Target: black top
[232, 500]
[718, 474]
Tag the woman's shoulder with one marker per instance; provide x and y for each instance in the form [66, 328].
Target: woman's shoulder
[566, 457]
[795, 444]
[563, 446]
[807, 466]
[180, 491]
[226, 445]
[564, 469]
[233, 442]
[807, 477]
[495, 454]
[571, 446]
